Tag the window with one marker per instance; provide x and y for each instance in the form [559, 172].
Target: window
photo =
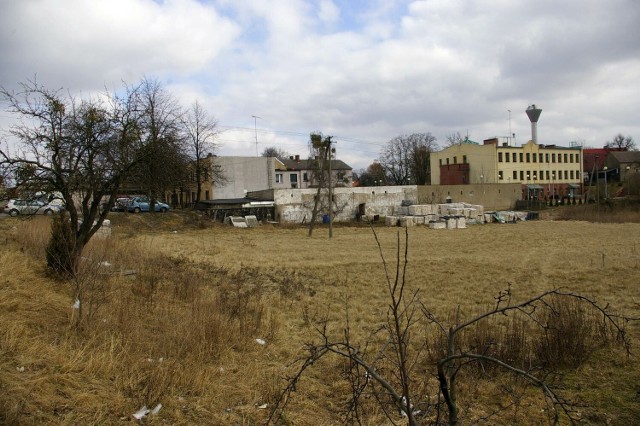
[566, 156]
[521, 174]
[499, 157]
[464, 159]
[546, 158]
[206, 195]
[535, 157]
[559, 158]
[278, 177]
[571, 174]
[500, 175]
[521, 155]
[447, 161]
[440, 160]
[455, 160]
[528, 157]
[547, 174]
[515, 175]
[566, 174]
[206, 174]
[553, 158]
[515, 158]
[540, 158]
[293, 178]
[305, 177]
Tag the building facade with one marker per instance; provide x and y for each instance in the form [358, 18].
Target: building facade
[543, 171]
[245, 174]
[300, 174]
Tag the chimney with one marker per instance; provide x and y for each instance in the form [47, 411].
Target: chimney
[533, 113]
[297, 158]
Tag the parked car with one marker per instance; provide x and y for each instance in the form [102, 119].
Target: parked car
[121, 204]
[141, 204]
[17, 207]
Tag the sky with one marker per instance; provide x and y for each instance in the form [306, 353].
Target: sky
[362, 71]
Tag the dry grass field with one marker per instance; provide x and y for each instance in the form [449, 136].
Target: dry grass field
[172, 307]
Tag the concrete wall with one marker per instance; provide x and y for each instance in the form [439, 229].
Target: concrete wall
[497, 196]
[244, 173]
[296, 205]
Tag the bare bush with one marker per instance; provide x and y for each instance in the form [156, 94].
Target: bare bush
[525, 340]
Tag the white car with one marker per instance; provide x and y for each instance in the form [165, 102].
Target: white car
[29, 207]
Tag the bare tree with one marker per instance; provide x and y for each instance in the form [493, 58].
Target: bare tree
[201, 131]
[405, 159]
[164, 159]
[319, 158]
[81, 150]
[454, 139]
[373, 175]
[273, 151]
[622, 142]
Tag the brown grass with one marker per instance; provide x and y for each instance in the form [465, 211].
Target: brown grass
[181, 331]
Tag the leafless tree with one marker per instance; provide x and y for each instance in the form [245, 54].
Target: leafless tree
[454, 139]
[319, 157]
[164, 160]
[81, 150]
[273, 151]
[201, 131]
[405, 159]
[620, 141]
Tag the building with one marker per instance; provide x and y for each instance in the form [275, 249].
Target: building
[245, 174]
[543, 171]
[300, 173]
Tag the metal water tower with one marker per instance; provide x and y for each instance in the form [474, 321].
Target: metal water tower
[533, 113]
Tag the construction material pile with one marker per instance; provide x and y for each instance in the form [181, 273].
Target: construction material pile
[437, 216]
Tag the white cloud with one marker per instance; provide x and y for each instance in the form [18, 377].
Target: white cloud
[82, 44]
[366, 71]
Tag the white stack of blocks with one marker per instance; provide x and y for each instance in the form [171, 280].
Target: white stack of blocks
[437, 216]
[437, 225]
[407, 221]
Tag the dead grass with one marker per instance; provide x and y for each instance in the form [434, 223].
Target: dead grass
[182, 331]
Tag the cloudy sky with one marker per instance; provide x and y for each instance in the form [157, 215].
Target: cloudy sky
[363, 71]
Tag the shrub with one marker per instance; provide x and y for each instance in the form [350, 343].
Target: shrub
[61, 248]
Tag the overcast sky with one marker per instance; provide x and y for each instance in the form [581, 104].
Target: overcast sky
[363, 71]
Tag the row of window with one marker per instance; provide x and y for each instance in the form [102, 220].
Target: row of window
[293, 177]
[532, 157]
[542, 175]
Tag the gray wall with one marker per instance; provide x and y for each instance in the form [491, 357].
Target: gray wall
[243, 173]
[294, 205]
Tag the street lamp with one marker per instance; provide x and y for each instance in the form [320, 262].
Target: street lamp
[528, 189]
[606, 191]
[628, 180]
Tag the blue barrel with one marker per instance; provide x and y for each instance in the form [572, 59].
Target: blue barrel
[325, 218]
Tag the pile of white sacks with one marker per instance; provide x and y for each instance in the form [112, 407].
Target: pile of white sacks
[438, 216]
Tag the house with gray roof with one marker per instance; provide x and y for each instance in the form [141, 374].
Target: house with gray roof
[300, 174]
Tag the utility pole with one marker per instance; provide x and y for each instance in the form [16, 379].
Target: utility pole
[255, 129]
[330, 191]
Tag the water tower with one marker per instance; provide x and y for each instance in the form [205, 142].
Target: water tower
[533, 113]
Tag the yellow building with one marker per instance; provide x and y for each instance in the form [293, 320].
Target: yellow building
[544, 171]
